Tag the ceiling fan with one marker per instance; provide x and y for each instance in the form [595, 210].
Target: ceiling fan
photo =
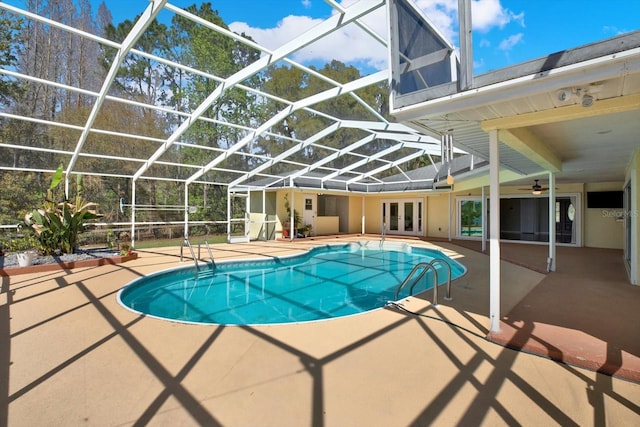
[536, 188]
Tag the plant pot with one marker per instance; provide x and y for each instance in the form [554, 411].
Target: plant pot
[25, 259]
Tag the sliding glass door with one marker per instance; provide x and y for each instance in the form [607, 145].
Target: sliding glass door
[522, 218]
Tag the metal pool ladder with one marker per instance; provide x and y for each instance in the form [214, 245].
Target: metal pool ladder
[187, 243]
[213, 262]
[426, 266]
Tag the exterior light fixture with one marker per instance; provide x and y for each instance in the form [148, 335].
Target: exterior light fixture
[536, 192]
[449, 179]
[564, 95]
[587, 100]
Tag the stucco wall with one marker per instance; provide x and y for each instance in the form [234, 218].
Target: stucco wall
[633, 176]
[281, 211]
[355, 214]
[602, 227]
[373, 214]
[438, 215]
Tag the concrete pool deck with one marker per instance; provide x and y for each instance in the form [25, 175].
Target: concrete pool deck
[71, 355]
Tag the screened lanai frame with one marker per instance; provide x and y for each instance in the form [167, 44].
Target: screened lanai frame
[360, 174]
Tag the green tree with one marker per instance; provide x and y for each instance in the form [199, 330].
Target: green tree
[9, 49]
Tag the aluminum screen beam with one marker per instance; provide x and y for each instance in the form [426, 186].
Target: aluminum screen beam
[328, 26]
[301, 146]
[322, 96]
[147, 17]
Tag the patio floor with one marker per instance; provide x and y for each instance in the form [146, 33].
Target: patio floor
[71, 355]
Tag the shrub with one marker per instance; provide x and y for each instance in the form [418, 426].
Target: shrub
[57, 224]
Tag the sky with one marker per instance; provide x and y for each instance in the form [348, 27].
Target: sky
[505, 32]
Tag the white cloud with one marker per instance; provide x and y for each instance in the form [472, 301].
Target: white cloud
[488, 14]
[351, 44]
[306, 4]
[511, 41]
[287, 29]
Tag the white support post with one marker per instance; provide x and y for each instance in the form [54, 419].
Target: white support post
[247, 216]
[450, 238]
[228, 216]
[363, 216]
[264, 215]
[133, 213]
[494, 232]
[484, 219]
[466, 55]
[292, 225]
[551, 261]
[186, 211]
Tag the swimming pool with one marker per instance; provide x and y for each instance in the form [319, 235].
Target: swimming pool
[326, 282]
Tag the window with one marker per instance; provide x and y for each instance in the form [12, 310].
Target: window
[470, 217]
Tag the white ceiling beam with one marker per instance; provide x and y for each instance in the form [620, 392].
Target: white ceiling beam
[524, 141]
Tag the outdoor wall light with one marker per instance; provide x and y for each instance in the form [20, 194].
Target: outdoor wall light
[564, 95]
[587, 100]
[449, 179]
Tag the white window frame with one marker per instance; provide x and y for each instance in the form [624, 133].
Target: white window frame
[459, 201]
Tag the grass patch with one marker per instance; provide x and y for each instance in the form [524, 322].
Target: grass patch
[162, 243]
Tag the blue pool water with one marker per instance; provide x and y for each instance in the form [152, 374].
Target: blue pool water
[328, 281]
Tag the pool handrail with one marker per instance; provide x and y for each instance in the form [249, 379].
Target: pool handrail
[425, 268]
[186, 242]
[213, 261]
[440, 260]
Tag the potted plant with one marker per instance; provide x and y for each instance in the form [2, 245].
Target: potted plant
[24, 245]
[306, 230]
[286, 224]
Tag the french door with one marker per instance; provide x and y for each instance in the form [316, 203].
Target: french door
[402, 216]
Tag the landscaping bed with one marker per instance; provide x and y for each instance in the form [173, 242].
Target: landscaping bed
[83, 258]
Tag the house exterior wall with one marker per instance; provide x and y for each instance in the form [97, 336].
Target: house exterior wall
[355, 214]
[373, 214]
[599, 228]
[438, 216]
[602, 229]
[281, 211]
[633, 175]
